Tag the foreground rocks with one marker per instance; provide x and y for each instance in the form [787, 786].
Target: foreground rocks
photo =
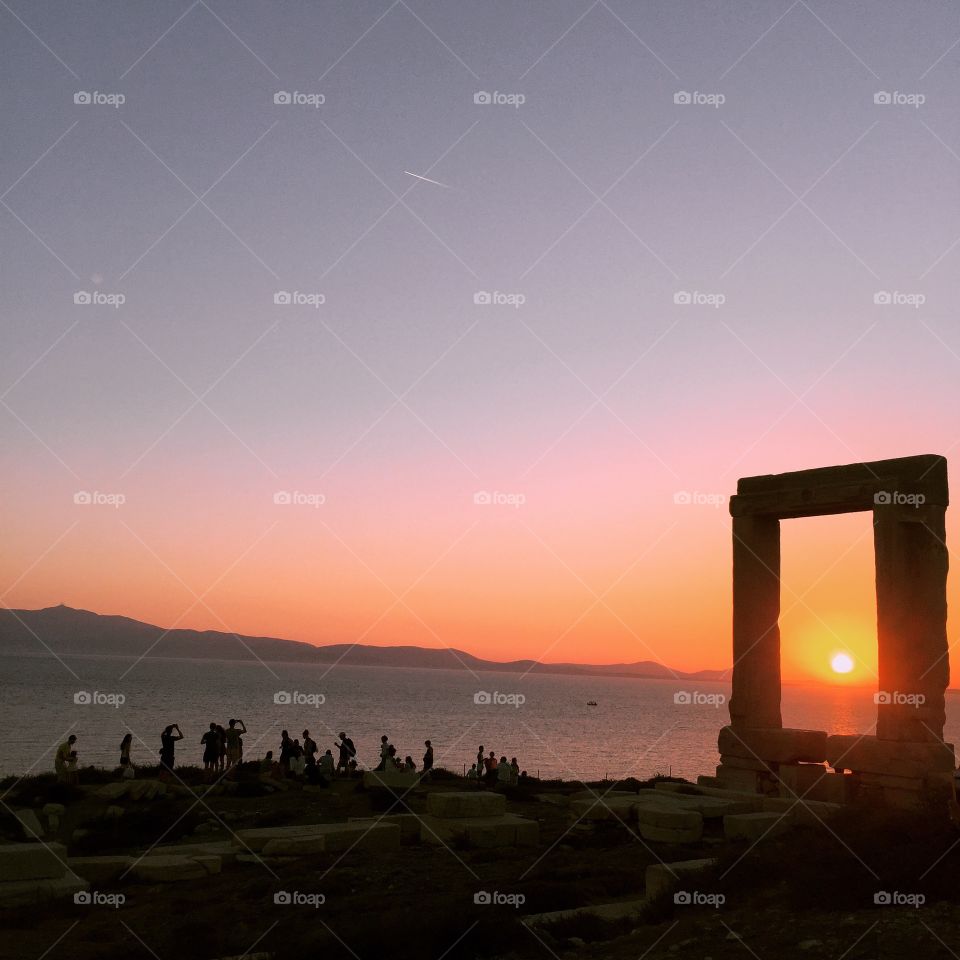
[32, 873]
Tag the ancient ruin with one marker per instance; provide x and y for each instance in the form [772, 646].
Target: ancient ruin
[906, 759]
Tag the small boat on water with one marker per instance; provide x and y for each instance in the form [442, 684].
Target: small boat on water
[591, 703]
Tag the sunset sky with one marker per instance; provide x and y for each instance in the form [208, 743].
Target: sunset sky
[584, 399]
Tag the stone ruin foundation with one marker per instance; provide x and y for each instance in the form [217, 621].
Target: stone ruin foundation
[906, 761]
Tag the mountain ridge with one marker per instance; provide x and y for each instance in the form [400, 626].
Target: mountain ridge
[67, 631]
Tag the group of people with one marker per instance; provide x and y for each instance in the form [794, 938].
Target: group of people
[491, 771]
[222, 750]
[390, 759]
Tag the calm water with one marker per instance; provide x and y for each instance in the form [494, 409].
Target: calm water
[635, 729]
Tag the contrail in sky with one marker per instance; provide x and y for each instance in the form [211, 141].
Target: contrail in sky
[437, 182]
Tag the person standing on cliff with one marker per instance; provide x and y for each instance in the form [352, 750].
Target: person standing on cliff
[62, 758]
[347, 752]
[234, 730]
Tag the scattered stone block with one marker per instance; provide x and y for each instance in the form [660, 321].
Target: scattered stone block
[665, 877]
[454, 805]
[506, 830]
[337, 838]
[53, 810]
[113, 812]
[32, 861]
[29, 824]
[664, 824]
[27, 893]
[754, 826]
[752, 802]
[409, 824]
[256, 838]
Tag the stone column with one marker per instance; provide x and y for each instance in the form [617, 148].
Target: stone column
[755, 701]
[911, 558]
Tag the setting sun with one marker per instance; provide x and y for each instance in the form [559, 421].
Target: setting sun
[842, 663]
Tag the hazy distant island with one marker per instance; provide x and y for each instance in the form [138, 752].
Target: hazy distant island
[67, 632]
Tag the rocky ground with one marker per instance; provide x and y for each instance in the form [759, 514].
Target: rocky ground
[807, 893]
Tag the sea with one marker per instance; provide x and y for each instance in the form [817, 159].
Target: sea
[558, 727]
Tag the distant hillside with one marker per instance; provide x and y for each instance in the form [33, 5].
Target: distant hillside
[69, 632]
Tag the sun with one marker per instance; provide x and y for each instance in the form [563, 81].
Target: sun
[841, 663]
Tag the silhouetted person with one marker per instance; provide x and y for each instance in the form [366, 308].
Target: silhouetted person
[126, 767]
[61, 760]
[211, 750]
[296, 758]
[309, 749]
[347, 752]
[221, 760]
[286, 746]
[504, 771]
[427, 758]
[234, 748]
[167, 742]
[325, 766]
[408, 765]
[384, 753]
